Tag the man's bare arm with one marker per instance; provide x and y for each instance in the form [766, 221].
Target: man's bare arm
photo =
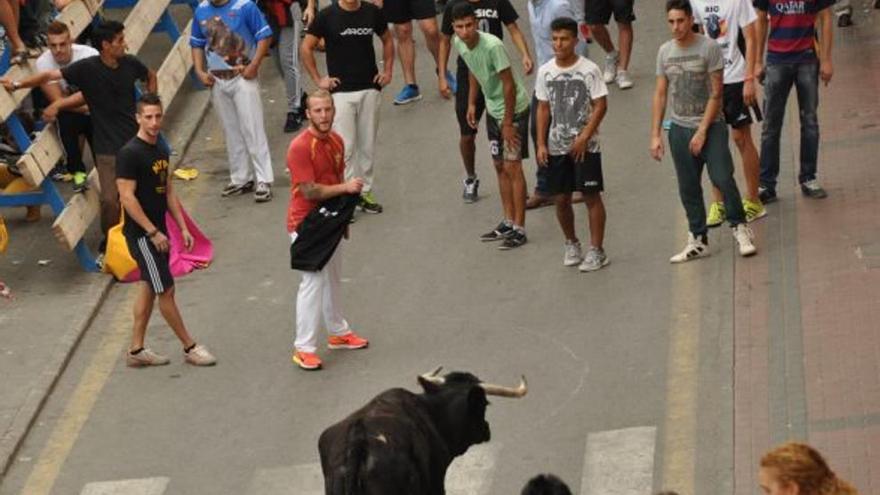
[319, 192]
[713, 106]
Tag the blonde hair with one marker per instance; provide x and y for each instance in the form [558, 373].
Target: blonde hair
[805, 467]
[320, 94]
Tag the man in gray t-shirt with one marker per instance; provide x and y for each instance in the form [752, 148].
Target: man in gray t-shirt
[692, 66]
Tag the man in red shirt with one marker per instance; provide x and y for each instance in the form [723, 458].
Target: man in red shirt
[315, 161]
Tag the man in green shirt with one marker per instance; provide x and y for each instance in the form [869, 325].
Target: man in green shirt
[507, 125]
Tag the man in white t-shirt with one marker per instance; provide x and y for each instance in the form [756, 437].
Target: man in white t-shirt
[571, 97]
[75, 122]
[731, 23]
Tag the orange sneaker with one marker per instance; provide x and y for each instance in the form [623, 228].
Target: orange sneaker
[307, 360]
[350, 340]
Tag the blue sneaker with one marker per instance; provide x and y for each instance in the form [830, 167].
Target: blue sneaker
[450, 80]
[408, 94]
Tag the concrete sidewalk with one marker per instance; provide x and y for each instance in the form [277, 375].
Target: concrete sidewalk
[55, 299]
[807, 347]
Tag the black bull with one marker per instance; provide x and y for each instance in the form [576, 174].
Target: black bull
[401, 443]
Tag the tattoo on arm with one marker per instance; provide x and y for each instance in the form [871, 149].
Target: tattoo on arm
[310, 191]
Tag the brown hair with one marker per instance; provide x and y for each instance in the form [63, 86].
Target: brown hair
[57, 27]
[805, 467]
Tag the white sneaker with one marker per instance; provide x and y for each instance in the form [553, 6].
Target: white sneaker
[145, 358]
[594, 260]
[200, 356]
[743, 235]
[610, 71]
[573, 254]
[623, 80]
[695, 248]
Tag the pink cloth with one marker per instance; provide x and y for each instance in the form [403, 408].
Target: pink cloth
[182, 261]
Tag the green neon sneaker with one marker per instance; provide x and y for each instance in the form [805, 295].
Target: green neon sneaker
[369, 204]
[717, 214]
[80, 183]
[754, 210]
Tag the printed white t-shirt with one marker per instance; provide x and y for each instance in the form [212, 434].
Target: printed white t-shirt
[722, 21]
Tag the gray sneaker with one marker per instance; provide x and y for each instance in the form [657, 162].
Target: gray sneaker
[573, 254]
[145, 358]
[199, 356]
[471, 188]
[262, 193]
[594, 260]
[812, 189]
[610, 72]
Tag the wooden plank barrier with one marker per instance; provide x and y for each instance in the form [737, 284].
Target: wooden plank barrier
[82, 209]
[42, 156]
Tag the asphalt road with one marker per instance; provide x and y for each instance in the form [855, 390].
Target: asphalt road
[630, 368]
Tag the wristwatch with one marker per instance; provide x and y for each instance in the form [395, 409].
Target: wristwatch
[16, 84]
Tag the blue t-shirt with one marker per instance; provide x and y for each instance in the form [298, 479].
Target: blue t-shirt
[229, 34]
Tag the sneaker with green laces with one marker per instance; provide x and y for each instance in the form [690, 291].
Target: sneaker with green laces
[369, 204]
[80, 182]
[754, 210]
[717, 214]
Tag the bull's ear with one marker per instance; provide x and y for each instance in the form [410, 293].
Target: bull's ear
[477, 399]
[428, 386]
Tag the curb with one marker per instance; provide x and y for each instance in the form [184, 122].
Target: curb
[39, 393]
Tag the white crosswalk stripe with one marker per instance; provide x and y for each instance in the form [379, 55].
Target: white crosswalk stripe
[142, 486]
[619, 462]
[472, 473]
[301, 479]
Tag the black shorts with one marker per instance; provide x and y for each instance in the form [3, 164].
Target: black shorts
[599, 11]
[461, 102]
[152, 264]
[403, 11]
[498, 148]
[565, 176]
[736, 113]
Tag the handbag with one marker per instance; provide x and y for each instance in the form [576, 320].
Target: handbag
[117, 258]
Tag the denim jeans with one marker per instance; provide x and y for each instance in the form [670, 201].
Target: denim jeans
[778, 81]
[540, 172]
[689, 170]
[287, 57]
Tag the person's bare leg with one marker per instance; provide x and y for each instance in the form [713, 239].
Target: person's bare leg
[143, 308]
[505, 191]
[742, 137]
[565, 216]
[596, 213]
[406, 51]
[468, 147]
[624, 43]
[432, 36]
[517, 180]
[600, 34]
[169, 310]
[9, 21]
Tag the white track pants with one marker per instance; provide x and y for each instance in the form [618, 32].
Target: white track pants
[317, 302]
[357, 121]
[237, 102]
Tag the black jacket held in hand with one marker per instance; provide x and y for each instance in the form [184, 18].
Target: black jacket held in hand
[320, 232]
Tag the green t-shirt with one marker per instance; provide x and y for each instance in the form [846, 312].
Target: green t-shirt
[485, 61]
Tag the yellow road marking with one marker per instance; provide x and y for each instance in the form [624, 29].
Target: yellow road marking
[679, 444]
[79, 406]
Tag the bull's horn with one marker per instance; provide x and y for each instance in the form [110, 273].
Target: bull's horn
[500, 391]
[433, 378]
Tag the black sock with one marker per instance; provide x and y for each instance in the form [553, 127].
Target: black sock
[187, 349]
[136, 352]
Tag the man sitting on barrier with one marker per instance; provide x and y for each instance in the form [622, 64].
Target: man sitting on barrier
[73, 123]
[107, 84]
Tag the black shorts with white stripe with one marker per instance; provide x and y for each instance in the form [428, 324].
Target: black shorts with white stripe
[153, 265]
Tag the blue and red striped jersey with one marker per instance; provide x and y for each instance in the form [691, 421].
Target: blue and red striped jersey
[792, 29]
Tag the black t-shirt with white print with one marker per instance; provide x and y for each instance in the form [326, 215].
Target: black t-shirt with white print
[146, 164]
[492, 16]
[348, 38]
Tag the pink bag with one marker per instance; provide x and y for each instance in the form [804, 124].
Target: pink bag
[182, 262]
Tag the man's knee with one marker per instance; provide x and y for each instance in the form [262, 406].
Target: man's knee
[403, 32]
[742, 136]
[429, 27]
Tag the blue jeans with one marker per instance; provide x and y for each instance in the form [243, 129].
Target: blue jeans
[540, 172]
[778, 81]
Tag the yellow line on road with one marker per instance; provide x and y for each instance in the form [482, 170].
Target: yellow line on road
[679, 446]
[80, 404]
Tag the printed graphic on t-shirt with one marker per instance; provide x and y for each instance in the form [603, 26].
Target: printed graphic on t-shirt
[570, 106]
[690, 87]
[225, 46]
[160, 170]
